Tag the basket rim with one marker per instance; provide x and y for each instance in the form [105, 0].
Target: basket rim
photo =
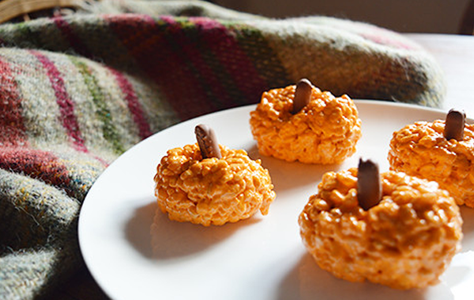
[10, 9]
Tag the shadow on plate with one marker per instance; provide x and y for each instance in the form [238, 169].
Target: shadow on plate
[137, 229]
[467, 214]
[171, 239]
[287, 175]
[156, 237]
[306, 280]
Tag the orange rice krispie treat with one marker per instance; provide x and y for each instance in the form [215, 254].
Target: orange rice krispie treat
[404, 241]
[301, 123]
[442, 151]
[224, 186]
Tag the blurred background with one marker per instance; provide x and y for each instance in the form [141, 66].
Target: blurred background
[428, 16]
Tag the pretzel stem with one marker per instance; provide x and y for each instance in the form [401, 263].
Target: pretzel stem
[207, 141]
[369, 188]
[454, 125]
[302, 95]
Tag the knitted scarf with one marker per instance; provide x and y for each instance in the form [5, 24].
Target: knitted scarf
[78, 91]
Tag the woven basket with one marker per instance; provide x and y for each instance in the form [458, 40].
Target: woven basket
[12, 9]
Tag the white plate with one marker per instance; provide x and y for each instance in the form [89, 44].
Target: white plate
[259, 258]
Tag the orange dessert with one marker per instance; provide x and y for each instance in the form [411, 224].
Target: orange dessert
[404, 241]
[438, 151]
[226, 186]
[301, 123]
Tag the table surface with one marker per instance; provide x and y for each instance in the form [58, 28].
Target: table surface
[455, 54]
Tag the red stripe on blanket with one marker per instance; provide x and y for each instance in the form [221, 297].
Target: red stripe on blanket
[133, 104]
[227, 50]
[11, 122]
[71, 36]
[193, 51]
[66, 105]
[146, 41]
[36, 164]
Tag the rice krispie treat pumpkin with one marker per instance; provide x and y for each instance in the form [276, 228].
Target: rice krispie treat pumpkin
[404, 239]
[302, 123]
[206, 183]
[442, 150]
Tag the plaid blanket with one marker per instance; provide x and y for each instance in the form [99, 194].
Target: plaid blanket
[77, 91]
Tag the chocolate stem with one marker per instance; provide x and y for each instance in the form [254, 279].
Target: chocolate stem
[207, 141]
[454, 125]
[302, 95]
[369, 188]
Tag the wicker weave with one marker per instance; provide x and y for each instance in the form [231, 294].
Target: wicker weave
[11, 9]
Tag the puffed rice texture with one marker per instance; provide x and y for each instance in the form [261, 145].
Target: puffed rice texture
[406, 241]
[421, 150]
[212, 191]
[325, 131]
